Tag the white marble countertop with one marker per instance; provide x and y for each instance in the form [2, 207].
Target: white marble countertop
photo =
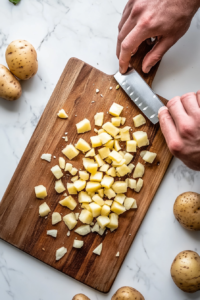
[87, 29]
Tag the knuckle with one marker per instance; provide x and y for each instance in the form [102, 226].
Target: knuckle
[175, 147]
[188, 96]
[146, 22]
[185, 130]
[125, 46]
[119, 39]
[173, 101]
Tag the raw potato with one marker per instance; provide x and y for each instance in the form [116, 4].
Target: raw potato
[187, 210]
[70, 151]
[62, 114]
[98, 249]
[40, 191]
[139, 120]
[21, 58]
[185, 271]
[59, 186]
[44, 209]
[78, 244]
[115, 109]
[80, 297]
[46, 156]
[10, 88]
[52, 232]
[127, 293]
[83, 126]
[56, 218]
[60, 253]
[83, 230]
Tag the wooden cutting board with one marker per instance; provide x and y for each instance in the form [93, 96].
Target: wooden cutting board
[20, 224]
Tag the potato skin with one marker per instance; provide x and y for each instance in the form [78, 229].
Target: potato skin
[80, 297]
[127, 293]
[185, 271]
[187, 210]
[21, 58]
[10, 88]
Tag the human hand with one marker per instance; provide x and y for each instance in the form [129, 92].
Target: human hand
[180, 124]
[168, 20]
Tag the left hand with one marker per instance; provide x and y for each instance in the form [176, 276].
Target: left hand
[180, 124]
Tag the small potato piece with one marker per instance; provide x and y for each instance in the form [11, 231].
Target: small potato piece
[98, 249]
[149, 157]
[90, 153]
[119, 187]
[128, 158]
[62, 114]
[61, 162]
[86, 216]
[99, 160]
[21, 58]
[120, 198]
[115, 156]
[73, 171]
[83, 175]
[131, 146]
[96, 177]
[96, 141]
[68, 167]
[83, 230]
[127, 293]
[44, 209]
[69, 202]
[123, 120]
[10, 88]
[70, 220]
[98, 119]
[83, 126]
[118, 208]
[107, 181]
[104, 168]
[96, 209]
[82, 145]
[128, 203]
[103, 221]
[59, 186]
[123, 170]
[78, 244]
[80, 185]
[117, 146]
[124, 134]
[60, 253]
[46, 156]
[115, 109]
[104, 152]
[105, 210]
[83, 197]
[187, 210]
[71, 188]
[109, 144]
[111, 172]
[113, 224]
[116, 121]
[185, 271]
[109, 193]
[111, 129]
[92, 186]
[139, 120]
[57, 172]
[139, 170]
[97, 199]
[139, 185]
[40, 191]
[141, 138]
[56, 218]
[80, 297]
[70, 151]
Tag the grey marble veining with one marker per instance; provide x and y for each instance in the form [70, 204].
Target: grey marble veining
[87, 29]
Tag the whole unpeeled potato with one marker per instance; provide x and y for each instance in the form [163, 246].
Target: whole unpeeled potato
[185, 271]
[80, 297]
[187, 210]
[127, 293]
[10, 88]
[21, 58]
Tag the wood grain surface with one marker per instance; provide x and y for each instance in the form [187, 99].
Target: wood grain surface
[20, 224]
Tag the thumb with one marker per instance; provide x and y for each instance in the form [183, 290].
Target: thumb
[156, 54]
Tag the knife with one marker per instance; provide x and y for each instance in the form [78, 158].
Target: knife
[140, 93]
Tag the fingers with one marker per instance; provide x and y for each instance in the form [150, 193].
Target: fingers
[125, 15]
[198, 97]
[169, 130]
[190, 103]
[156, 54]
[177, 111]
[132, 41]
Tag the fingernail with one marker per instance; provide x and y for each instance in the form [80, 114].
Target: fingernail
[120, 69]
[148, 68]
[162, 108]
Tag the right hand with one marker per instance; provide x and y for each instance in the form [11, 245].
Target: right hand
[168, 20]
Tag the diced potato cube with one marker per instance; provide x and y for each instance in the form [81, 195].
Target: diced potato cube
[139, 185]
[69, 202]
[96, 177]
[80, 185]
[120, 198]
[119, 187]
[101, 193]
[56, 218]
[124, 133]
[66, 139]
[105, 210]
[141, 138]
[40, 191]
[122, 153]
[108, 202]
[104, 168]
[90, 153]
[132, 184]
[86, 206]
[149, 157]
[95, 228]
[98, 119]
[57, 172]
[87, 161]
[70, 220]
[83, 175]
[92, 168]
[116, 121]
[99, 160]
[134, 204]
[83, 230]
[60, 253]
[118, 208]
[98, 249]
[123, 120]
[139, 120]
[92, 186]
[82, 145]
[131, 146]
[139, 170]
[61, 162]
[96, 141]
[96, 209]
[75, 178]
[62, 114]
[118, 137]
[86, 216]
[128, 158]
[114, 155]
[71, 189]
[44, 209]
[70, 151]
[46, 156]
[104, 152]
[108, 160]
[96, 198]
[123, 170]
[131, 167]
[101, 131]
[101, 231]
[107, 181]
[105, 138]
[111, 172]
[83, 126]
[109, 144]
[116, 146]
[78, 244]
[59, 186]
[103, 221]
[68, 167]
[74, 171]
[109, 193]
[83, 197]
[111, 129]
[128, 202]
[115, 109]
[91, 194]
[77, 216]
[113, 224]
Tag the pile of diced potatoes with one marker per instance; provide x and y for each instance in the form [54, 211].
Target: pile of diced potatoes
[98, 185]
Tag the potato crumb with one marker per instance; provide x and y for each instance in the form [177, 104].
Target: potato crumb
[101, 95]
[117, 87]
[97, 90]
[111, 88]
